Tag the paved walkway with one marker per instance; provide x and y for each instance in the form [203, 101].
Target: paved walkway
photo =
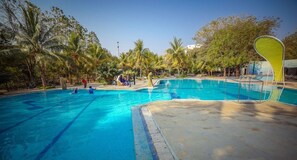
[228, 130]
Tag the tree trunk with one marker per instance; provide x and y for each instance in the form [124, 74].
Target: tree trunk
[77, 78]
[229, 70]
[30, 68]
[178, 72]
[225, 70]
[70, 79]
[237, 71]
[43, 80]
[140, 73]
[43, 75]
[30, 72]
[63, 83]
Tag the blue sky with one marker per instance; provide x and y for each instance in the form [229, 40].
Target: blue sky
[156, 22]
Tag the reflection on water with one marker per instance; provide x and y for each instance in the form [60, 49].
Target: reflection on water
[289, 96]
[211, 90]
[221, 90]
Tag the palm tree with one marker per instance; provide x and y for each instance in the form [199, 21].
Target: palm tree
[96, 55]
[176, 54]
[126, 63]
[148, 62]
[152, 62]
[74, 56]
[35, 38]
[126, 60]
[139, 52]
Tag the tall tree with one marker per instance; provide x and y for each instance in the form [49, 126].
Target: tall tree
[74, 55]
[229, 41]
[139, 51]
[151, 62]
[35, 38]
[290, 43]
[96, 57]
[33, 35]
[127, 60]
[176, 54]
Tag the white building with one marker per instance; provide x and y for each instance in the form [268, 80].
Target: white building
[192, 46]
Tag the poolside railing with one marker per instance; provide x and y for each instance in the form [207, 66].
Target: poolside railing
[246, 80]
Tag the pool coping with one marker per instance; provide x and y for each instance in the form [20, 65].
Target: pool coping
[142, 142]
[160, 147]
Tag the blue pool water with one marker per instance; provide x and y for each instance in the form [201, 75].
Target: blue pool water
[289, 96]
[211, 90]
[59, 125]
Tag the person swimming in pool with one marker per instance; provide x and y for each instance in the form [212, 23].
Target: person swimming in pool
[91, 90]
[74, 91]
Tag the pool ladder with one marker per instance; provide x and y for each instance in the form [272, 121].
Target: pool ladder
[248, 80]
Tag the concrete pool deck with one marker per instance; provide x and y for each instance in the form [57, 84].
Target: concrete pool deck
[226, 130]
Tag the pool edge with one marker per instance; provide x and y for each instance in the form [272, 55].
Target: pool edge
[161, 145]
[142, 148]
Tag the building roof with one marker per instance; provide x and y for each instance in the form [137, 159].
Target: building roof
[291, 63]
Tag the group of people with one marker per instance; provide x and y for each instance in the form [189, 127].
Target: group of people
[121, 81]
[91, 89]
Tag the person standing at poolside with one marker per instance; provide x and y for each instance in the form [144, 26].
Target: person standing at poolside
[84, 82]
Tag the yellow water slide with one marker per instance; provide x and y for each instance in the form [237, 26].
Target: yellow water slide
[272, 49]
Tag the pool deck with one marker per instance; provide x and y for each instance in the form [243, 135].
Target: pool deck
[221, 130]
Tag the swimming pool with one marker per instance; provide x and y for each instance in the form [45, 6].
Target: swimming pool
[288, 96]
[212, 90]
[59, 125]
